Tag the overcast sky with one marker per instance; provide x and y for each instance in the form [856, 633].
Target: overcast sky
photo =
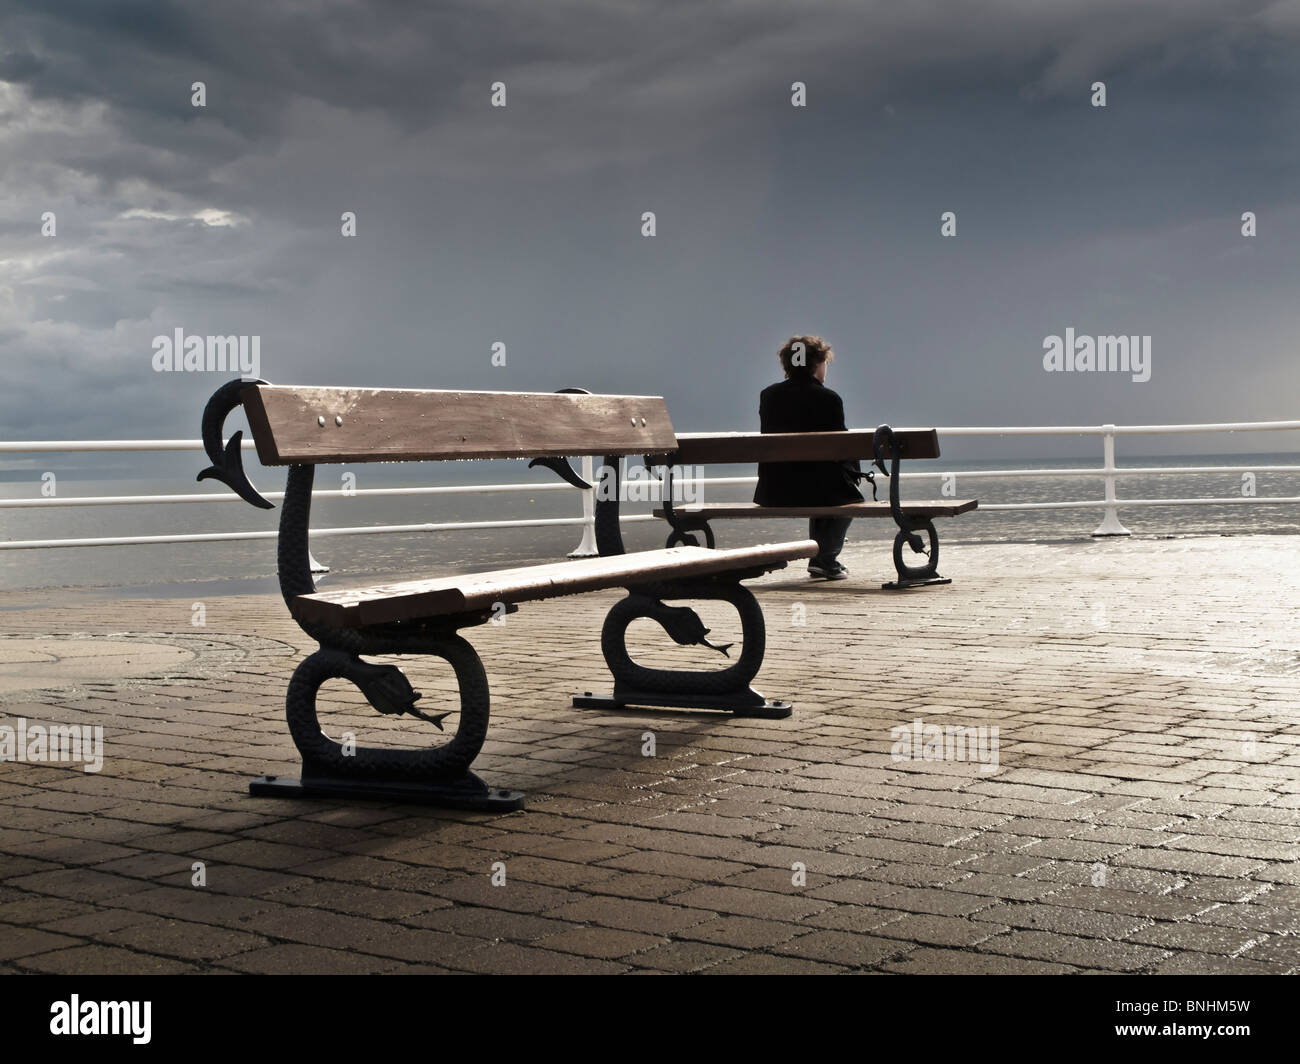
[522, 225]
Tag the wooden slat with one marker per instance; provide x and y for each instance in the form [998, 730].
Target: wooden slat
[704, 448]
[394, 425]
[722, 511]
[419, 599]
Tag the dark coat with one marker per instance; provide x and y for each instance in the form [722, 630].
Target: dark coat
[803, 404]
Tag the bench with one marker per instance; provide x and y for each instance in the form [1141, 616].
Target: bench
[303, 427]
[884, 444]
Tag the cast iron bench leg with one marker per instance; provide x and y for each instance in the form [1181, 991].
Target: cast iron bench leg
[917, 575]
[430, 775]
[725, 689]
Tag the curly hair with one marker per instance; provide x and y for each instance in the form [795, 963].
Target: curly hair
[801, 362]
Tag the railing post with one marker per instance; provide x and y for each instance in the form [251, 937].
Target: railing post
[1110, 524]
[587, 548]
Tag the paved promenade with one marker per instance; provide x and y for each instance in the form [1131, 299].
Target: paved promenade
[1140, 811]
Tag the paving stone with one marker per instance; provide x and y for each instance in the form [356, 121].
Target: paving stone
[1065, 920]
[685, 957]
[1254, 917]
[759, 903]
[936, 902]
[508, 959]
[491, 924]
[96, 923]
[1277, 949]
[650, 917]
[317, 927]
[105, 960]
[743, 932]
[187, 941]
[938, 930]
[290, 959]
[357, 899]
[1207, 964]
[851, 918]
[34, 909]
[1000, 886]
[1156, 906]
[1080, 952]
[769, 964]
[16, 942]
[1196, 937]
[422, 946]
[1120, 752]
[843, 948]
[599, 942]
[960, 962]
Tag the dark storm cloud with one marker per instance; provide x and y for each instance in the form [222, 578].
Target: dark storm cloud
[522, 225]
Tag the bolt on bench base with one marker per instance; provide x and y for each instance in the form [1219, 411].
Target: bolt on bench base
[470, 793]
[903, 585]
[751, 704]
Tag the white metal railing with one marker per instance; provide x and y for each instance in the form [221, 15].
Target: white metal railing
[1108, 472]
[1110, 523]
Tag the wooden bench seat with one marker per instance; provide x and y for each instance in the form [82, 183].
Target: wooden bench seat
[302, 427]
[723, 448]
[731, 510]
[423, 599]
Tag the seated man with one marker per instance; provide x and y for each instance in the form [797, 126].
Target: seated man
[802, 403]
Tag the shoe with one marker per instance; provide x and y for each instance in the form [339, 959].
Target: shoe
[834, 571]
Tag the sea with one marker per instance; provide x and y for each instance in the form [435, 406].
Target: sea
[211, 568]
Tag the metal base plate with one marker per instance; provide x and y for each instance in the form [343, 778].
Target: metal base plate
[753, 705]
[471, 793]
[903, 585]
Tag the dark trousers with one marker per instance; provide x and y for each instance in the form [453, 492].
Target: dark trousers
[829, 532]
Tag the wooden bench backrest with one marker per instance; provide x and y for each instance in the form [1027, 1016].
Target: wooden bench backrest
[704, 448]
[307, 426]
